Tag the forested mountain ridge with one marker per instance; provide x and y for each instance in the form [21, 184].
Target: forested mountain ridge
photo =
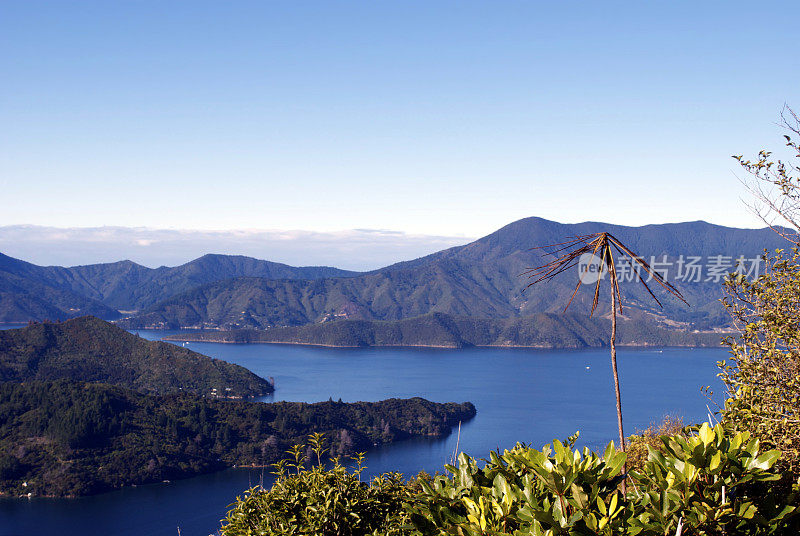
[31, 292]
[543, 330]
[68, 438]
[24, 295]
[481, 279]
[127, 285]
[92, 350]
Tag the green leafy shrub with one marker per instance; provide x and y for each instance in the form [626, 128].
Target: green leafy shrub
[525, 491]
[320, 501]
[763, 379]
[709, 482]
[639, 445]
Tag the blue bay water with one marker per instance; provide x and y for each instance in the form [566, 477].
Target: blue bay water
[523, 395]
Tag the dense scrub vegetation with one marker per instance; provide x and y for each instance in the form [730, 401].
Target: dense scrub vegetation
[66, 438]
[763, 378]
[639, 445]
[322, 500]
[90, 349]
[438, 329]
[711, 482]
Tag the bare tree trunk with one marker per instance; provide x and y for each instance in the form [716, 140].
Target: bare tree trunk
[616, 377]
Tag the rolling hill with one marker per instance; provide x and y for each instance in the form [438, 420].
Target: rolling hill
[89, 349]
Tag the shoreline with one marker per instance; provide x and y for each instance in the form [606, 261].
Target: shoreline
[221, 468]
[173, 338]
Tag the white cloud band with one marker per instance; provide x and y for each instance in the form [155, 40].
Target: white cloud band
[356, 249]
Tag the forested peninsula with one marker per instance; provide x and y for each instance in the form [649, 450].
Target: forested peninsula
[67, 438]
[86, 407]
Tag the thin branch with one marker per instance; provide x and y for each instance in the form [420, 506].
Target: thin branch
[601, 246]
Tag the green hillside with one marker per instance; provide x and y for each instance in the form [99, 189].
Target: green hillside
[23, 298]
[67, 438]
[89, 349]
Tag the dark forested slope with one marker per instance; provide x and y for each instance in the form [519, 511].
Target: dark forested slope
[67, 438]
[89, 349]
[25, 296]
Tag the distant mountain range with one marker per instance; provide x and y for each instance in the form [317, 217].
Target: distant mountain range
[480, 280]
[31, 292]
[89, 349]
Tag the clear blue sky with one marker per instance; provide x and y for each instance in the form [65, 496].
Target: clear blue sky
[424, 117]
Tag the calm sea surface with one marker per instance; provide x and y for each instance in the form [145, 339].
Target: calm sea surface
[521, 395]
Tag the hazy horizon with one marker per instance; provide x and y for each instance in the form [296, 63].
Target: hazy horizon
[350, 249]
[353, 249]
